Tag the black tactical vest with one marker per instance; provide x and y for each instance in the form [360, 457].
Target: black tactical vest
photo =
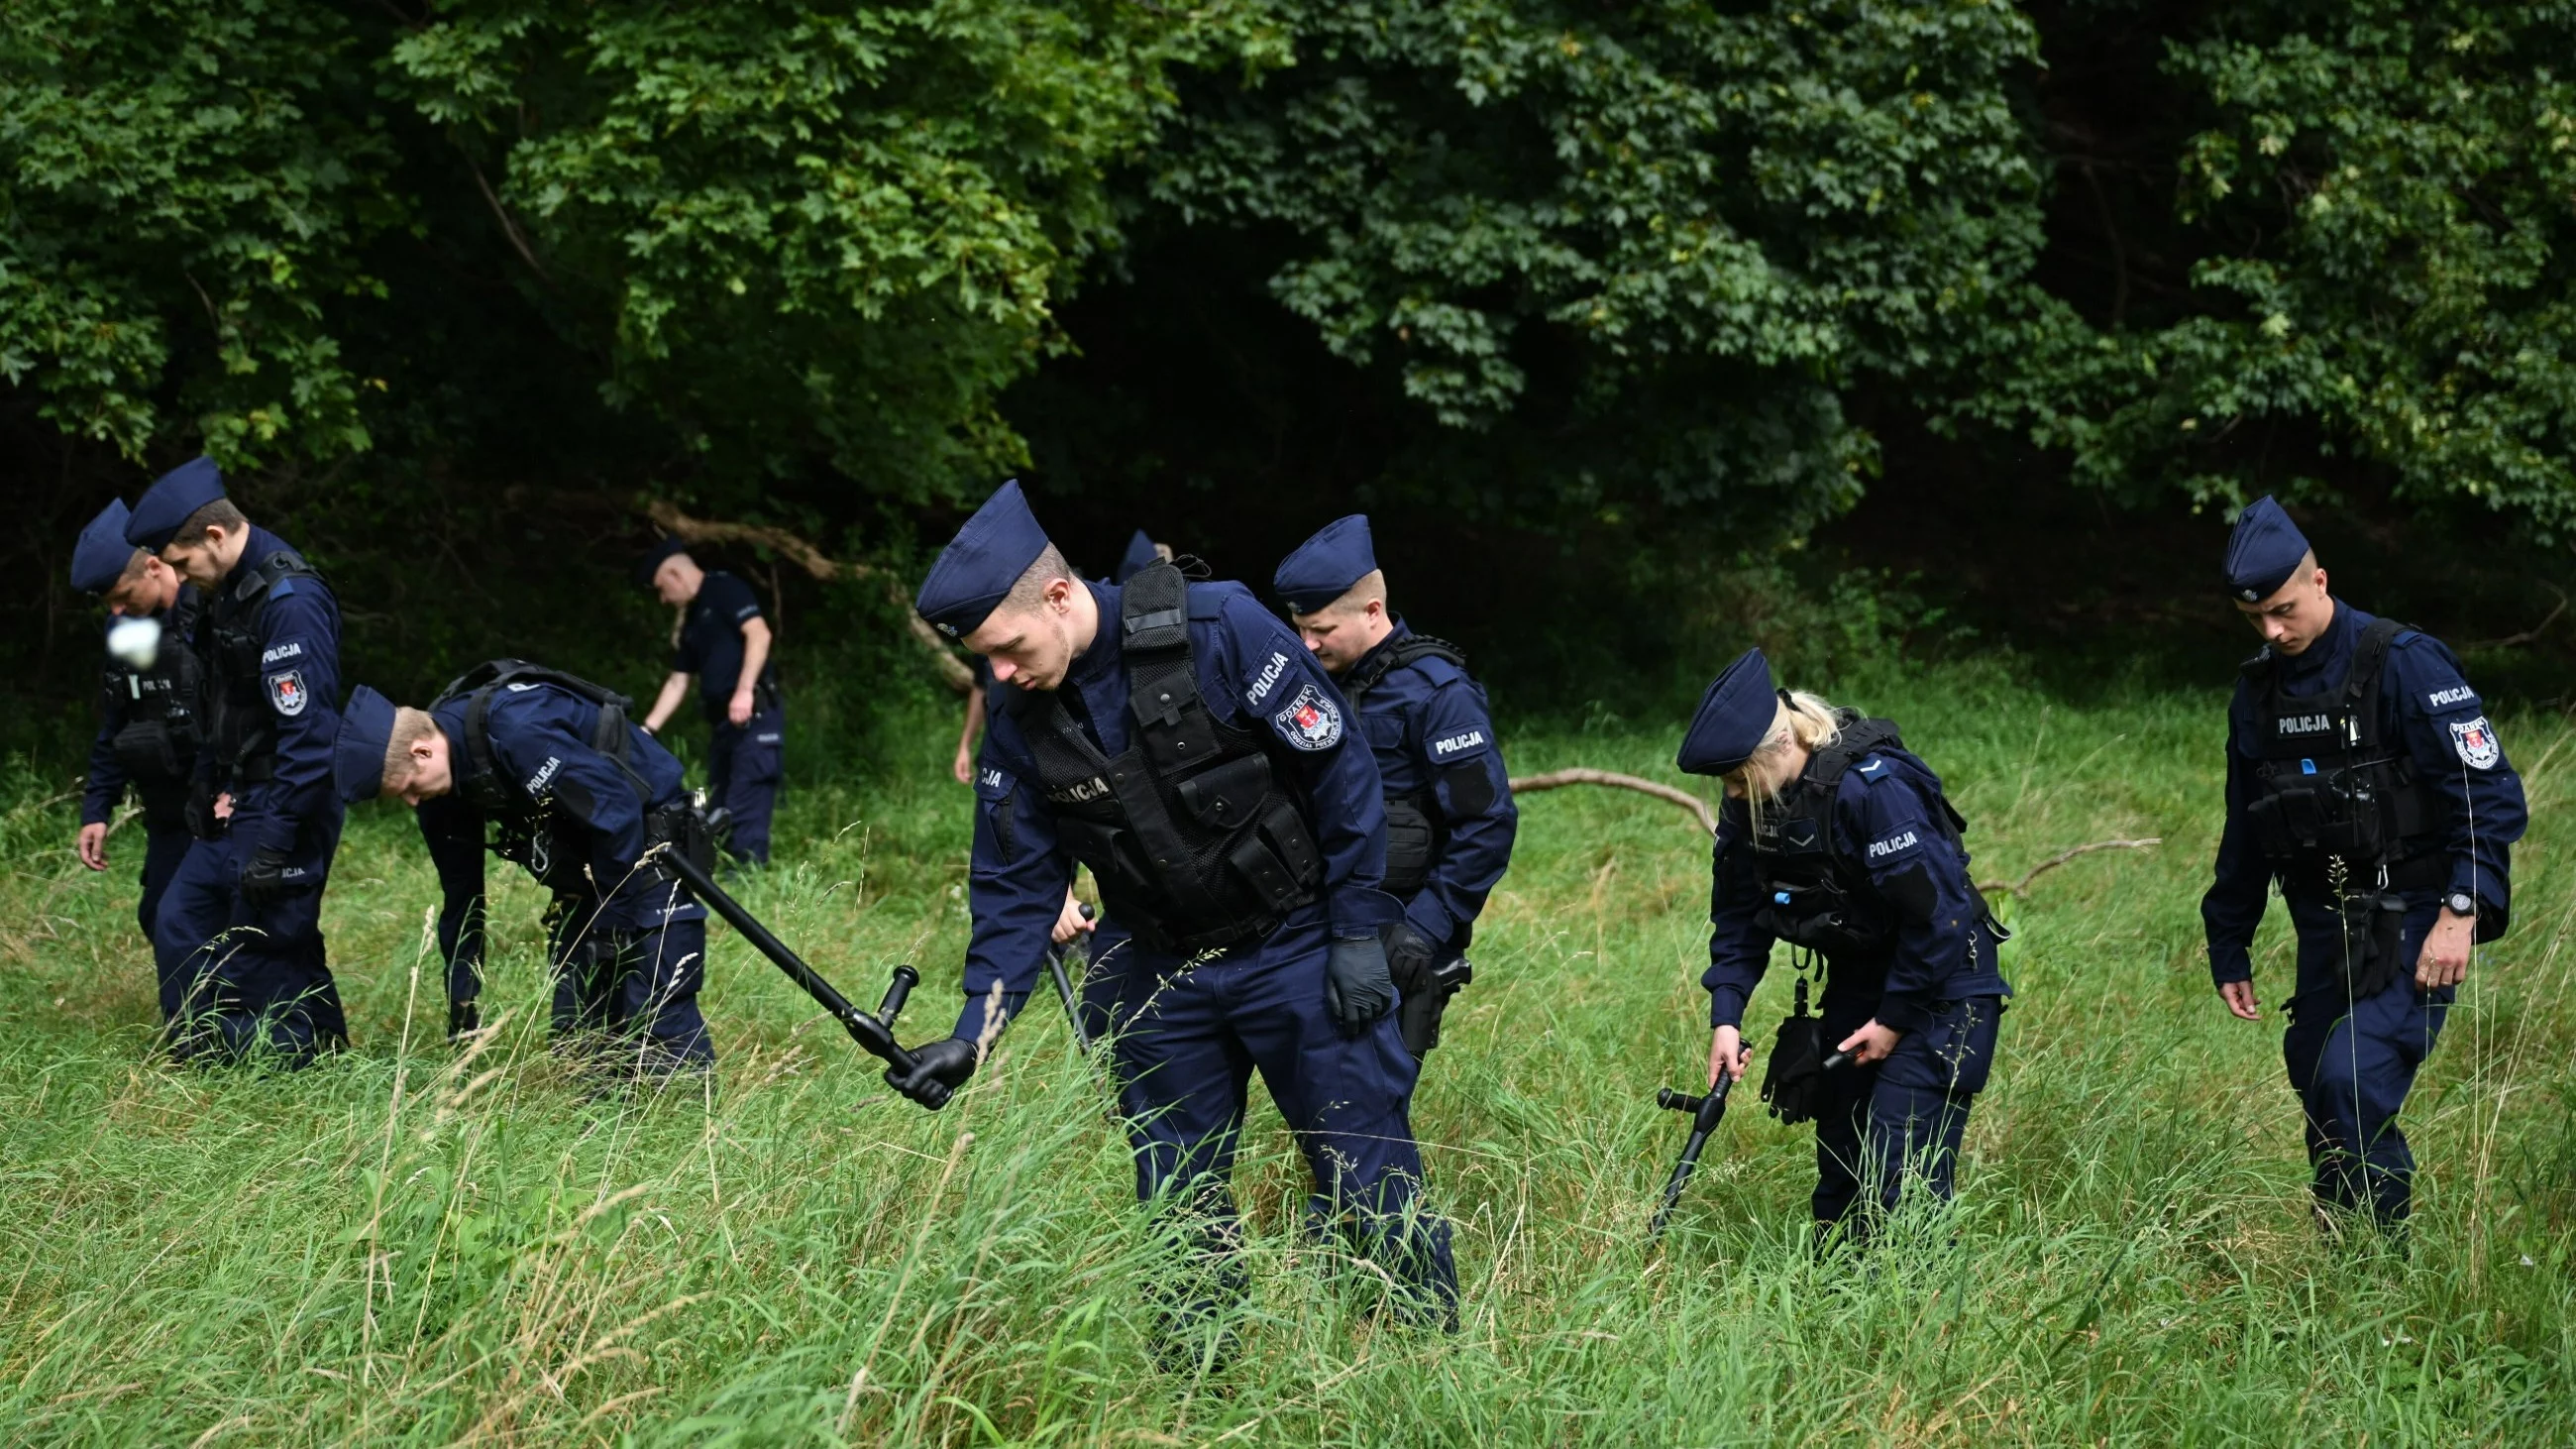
[1416, 832]
[1193, 840]
[163, 706]
[241, 728]
[1813, 895]
[2326, 786]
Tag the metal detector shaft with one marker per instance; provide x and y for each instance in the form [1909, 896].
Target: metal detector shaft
[1705, 1112]
[871, 1032]
[1064, 990]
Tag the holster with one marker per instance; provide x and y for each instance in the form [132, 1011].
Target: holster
[1418, 1020]
[2374, 931]
[686, 828]
[199, 811]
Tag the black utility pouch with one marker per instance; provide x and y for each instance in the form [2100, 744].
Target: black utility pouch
[1792, 1078]
[2374, 932]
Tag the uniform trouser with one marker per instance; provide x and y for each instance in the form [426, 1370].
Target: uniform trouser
[1898, 1121]
[252, 977]
[164, 847]
[2352, 1062]
[627, 999]
[744, 763]
[1187, 1044]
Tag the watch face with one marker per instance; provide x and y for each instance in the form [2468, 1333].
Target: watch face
[2462, 903]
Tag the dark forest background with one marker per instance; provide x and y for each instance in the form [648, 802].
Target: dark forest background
[1640, 329]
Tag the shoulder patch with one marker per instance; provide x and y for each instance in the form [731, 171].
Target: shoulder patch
[2475, 740]
[1266, 678]
[280, 653]
[1889, 847]
[1874, 769]
[287, 694]
[1450, 747]
[1312, 720]
[2456, 695]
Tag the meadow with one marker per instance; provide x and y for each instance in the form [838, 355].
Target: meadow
[413, 1244]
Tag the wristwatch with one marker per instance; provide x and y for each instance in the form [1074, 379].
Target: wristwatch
[2460, 903]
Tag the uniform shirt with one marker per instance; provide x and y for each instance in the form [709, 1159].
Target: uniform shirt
[1428, 728]
[1887, 815]
[541, 746]
[106, 783]
[299, 636]
[2423, 702]
[711, 642]
[1254, 675]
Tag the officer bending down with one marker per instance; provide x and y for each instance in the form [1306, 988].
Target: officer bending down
[1837, 840]
[2364, 776]
[1449, 813]
[724, 643]
[549, 767]
[243, 915]
[1176, 739]
[148, 720]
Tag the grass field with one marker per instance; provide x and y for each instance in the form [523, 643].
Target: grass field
[410, 1245]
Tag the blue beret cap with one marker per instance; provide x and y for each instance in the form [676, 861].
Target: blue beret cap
[1140, 556]
[171, 498]
[2263, 552]
[358, 755]
[99, 559]
[974, 573]
[1733, 717]
[1324, 567]
[651, 563]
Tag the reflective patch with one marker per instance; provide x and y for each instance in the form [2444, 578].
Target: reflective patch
[1896, 844]
[2476, 742]
[286, 691]
[545, 774]
[280, 653]
[1872, 765]
[523, 687]
[1312, 721]
[1269, 676]
[1452, 745]
[2456, 694]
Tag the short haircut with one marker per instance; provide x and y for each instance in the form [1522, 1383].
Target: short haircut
[1029, 593]
[136, 567]
[218, 514]
[1370, 589]
[411, 726]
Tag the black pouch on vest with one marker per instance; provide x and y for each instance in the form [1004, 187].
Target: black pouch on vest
[148, 751]
[2374, 932]
[1797, 1067]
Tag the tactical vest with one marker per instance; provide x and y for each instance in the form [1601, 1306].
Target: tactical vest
[241, 727]
[1417, 833]
[2327, 786]
[1194, 842]
[1813, 895]
[163, 706]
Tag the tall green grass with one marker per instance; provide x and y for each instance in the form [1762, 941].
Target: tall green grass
[412, 1244]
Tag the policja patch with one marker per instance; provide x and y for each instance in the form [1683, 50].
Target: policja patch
[1312, 721]
[286, 691]
[2476, 742]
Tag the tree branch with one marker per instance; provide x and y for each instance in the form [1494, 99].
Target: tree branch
[2022, 887]
[1559, 779]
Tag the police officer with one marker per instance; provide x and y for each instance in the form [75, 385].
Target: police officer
[1176, 739]
[2364, 777]
[724, 642]
[243, 915]
[1449, 813]
[1837, 840]
[548, 766]
[148, 716]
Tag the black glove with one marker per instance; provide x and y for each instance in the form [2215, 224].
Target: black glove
[263, 876]
[939, 1068]
[1410, 956]
[1357, 988]
[199, 811]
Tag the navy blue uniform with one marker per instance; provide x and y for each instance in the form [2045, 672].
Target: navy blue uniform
[628, 946]
[1190, 1034]
[1433, 739]
[256, 971]
[1937, 984]
[164, 801]
[744, 761]
[2351, 1061]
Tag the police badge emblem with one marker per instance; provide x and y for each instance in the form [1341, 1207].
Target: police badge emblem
[286, 691]
[2476, 742]
[1312, 721]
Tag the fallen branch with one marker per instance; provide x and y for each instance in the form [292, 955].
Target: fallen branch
[952, 670]
[2516, 641]
[1559, 779]
[2022, 887]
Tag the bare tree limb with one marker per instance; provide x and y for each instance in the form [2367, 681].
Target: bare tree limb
[952, 670]
[2021, 887]
[2515, 641]
[1559, 779]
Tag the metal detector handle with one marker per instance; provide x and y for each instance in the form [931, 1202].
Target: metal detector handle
[1064, 987]
[897, 991]
[870, 1033]
[1705, 1112]
[1838, 1059]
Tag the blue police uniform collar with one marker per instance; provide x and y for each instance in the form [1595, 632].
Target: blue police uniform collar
[168, 502]
[1734, 717]
[1401, 631]
[2262, 552]
[358, 754]
[975, 572]
[99, 559]
[1324, 567]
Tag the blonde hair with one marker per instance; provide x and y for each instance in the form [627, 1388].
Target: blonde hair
[410, 727]
[1808, 720]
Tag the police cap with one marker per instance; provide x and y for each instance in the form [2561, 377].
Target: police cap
[99, 559]
[1324, 567]
[168, 502]
[1733, 718]
[2263, 552]
[651, 563]
[358, 755]
[1140, 556]
[975, 572]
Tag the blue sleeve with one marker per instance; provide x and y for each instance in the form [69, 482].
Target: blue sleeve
[1922, 875]
[2242, 883]
[300, 635]
[733, 600]
[1459, 753]
[2454, 745]
[1015, 882]
[106, 783]
[1274, 683]
[1738, 950]
[556, 762]
[453, 831]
